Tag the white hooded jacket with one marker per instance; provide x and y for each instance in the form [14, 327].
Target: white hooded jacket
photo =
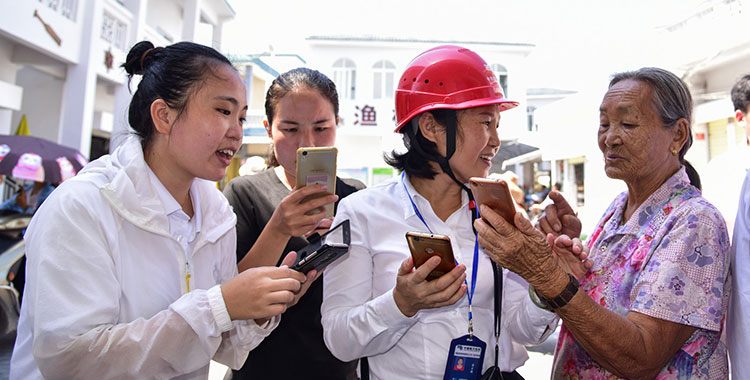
[106, 292]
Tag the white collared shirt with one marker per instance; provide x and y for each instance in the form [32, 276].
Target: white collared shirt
[182, 227]
[360, 317]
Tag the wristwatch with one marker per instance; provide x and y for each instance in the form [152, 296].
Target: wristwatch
[562, 299]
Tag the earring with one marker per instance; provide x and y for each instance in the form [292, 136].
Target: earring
[674, 152]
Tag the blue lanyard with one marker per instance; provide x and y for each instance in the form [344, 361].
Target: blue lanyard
[475, 260]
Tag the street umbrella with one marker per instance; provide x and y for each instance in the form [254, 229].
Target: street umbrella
[37, 159]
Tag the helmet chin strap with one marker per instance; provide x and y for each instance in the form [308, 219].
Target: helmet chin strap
[450, 149]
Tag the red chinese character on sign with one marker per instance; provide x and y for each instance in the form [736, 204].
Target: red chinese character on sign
[366, 116]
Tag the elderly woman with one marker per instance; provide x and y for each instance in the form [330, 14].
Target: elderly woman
[654, 302]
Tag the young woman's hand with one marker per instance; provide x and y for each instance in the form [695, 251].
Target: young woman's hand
[260, 293]
[290, 217]
[414, 293]
[310, 277]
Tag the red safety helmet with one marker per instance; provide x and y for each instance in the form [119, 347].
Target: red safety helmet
[449, 77]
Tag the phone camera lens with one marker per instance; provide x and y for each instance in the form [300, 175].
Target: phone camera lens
[304, 153]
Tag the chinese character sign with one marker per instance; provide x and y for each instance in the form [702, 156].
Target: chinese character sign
[366, 116]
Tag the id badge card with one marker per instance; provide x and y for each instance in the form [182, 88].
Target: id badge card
[465, 359]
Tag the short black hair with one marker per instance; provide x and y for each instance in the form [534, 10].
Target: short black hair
[170, 73]
[741, 94]
[420, 151]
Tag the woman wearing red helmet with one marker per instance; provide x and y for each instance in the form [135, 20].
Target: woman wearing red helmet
[376, 304]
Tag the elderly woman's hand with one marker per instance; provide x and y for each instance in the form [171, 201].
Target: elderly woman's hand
[521, 249]
[559, 218]
[414, 293]
[572, 255]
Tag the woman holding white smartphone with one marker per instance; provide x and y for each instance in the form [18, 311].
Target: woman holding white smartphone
[273, 215]
[376, 303]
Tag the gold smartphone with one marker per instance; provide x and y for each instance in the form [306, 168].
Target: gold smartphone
[495, 194]
[317, 165]
[423, 246]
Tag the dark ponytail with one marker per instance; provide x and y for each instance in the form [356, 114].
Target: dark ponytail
[692, 174]
[169, 73]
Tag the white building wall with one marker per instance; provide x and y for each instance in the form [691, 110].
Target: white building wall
[7, 67]
[17, 21]
[42, 102]
[722, 78]
[165, 16]
[80, 85]
[8, 75]
[105, 96]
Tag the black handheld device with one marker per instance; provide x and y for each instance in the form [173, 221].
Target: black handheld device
[322, 250]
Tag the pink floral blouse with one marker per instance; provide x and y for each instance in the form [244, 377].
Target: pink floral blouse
[669, 261]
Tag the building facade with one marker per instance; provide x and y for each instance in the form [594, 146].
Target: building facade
[366, 71]
[59, 61]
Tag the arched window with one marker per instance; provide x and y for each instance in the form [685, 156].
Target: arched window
[345, 75]
[382, 79]
[502, 76]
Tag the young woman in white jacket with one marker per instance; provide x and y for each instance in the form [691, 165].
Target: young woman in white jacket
[131, 267]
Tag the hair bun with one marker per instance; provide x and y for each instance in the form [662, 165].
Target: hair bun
[137, 58]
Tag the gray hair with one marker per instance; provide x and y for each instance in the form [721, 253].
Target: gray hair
[671, 100]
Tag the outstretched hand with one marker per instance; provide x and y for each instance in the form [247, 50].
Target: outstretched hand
[559, 218]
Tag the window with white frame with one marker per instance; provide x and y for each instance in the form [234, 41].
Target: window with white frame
[345, 75]
[67, 8]
[502, 76]
[114, 31]
[382, 79]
